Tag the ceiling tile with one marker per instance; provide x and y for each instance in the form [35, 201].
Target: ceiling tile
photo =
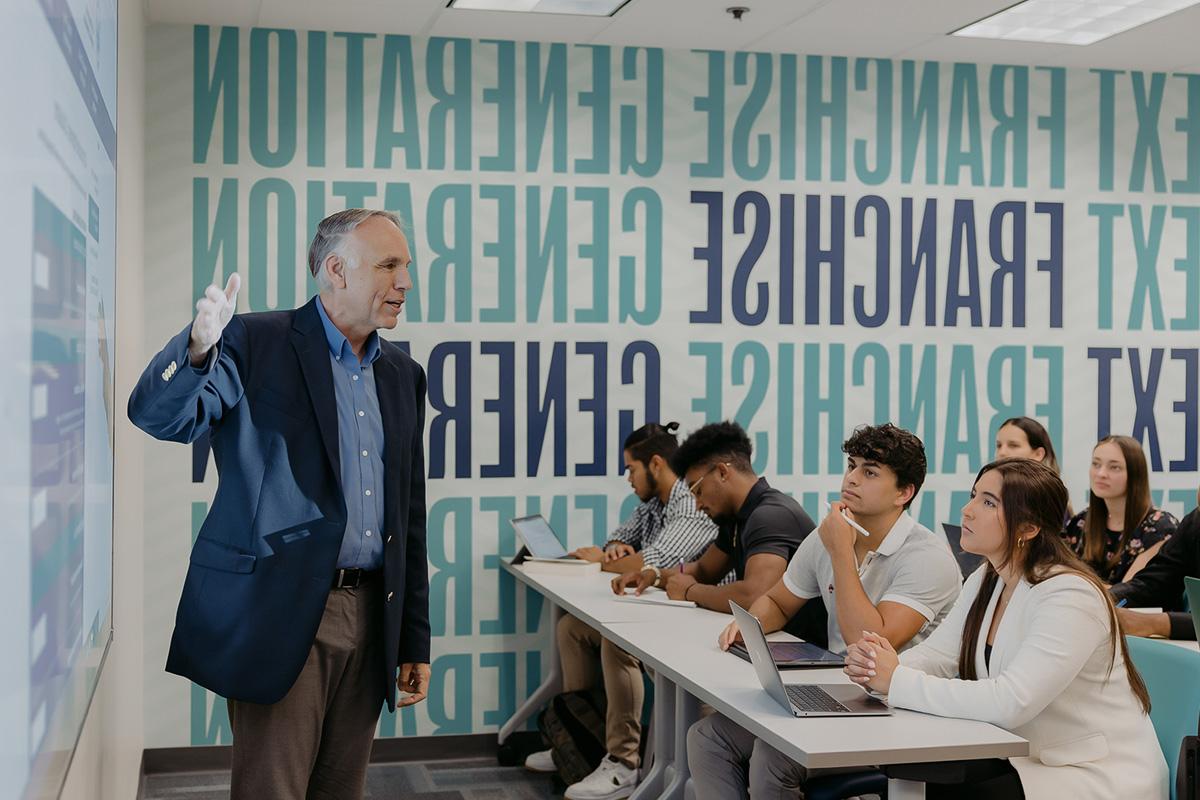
[700, 24]
[373, 16]
[241, 13]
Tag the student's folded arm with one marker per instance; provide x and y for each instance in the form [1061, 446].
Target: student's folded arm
[712, 566]
[777, 606]
[1064, 633]
[762, 572]
[1182, 625]
[916, 596]
[626, 564]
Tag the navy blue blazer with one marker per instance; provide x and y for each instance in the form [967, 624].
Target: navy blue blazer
[263, 562]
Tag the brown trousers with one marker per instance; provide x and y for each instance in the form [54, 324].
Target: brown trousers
[315, 743]
[587, 658]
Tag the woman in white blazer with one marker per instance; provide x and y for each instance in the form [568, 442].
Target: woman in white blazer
[1033, 645]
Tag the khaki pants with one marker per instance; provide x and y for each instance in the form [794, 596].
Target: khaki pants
[315, 743]
[587, 658]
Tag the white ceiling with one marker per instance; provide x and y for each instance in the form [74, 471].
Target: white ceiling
[883, 28]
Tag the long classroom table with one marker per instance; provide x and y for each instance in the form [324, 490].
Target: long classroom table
[679, 646]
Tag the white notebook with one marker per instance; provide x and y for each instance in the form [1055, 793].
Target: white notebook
[655, 597]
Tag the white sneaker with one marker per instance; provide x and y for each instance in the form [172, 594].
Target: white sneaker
[612, 780]
[541, 762]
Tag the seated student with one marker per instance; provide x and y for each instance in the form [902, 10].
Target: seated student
[760, 529]
[1025, 437]
[667, 529]
[902, 579]
[1119, 531]
[1033, 645]
[1160, 585]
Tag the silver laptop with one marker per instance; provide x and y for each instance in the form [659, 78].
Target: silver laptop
[802, 699]
[539, 539]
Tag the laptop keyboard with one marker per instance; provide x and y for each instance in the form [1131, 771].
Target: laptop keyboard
[807, 697]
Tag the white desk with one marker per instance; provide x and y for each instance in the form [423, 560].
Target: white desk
[679, 645]
[687, 655]
[589, 598]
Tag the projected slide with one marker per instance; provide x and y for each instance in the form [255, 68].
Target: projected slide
[58, 219]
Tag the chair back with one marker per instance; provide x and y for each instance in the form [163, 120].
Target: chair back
[1171, 674]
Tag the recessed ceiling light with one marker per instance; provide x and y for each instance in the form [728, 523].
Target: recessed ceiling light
[1070, 21]
[587, 8]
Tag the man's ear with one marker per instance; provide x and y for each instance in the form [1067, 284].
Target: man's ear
[335, 268]
[906, 494]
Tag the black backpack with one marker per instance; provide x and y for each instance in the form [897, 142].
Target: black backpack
[573, 727]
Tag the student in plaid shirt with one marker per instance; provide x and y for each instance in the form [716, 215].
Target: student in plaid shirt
[667, 527]
[665, 530]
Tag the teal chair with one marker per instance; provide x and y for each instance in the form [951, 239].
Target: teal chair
[1170, 673]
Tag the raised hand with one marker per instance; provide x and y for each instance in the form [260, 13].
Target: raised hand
[213, 312]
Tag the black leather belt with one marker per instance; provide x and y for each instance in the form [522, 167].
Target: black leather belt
[350, 578]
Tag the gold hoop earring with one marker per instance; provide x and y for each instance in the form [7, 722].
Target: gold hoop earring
[1020, 543]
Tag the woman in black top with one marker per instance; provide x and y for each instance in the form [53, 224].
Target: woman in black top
[1120, 531]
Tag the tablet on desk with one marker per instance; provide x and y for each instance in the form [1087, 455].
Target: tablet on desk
[540, 541]
[787, 655]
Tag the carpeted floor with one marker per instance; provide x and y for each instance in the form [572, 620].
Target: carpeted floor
[467, 779]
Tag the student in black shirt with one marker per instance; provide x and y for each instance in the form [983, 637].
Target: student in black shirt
[760, 529]
[1160, 585]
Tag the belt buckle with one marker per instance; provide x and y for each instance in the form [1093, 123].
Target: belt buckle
[344, 578]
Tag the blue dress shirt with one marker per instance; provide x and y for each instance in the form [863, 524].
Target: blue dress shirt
[360, 446]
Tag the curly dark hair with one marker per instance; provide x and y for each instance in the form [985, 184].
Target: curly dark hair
[652, 439]
[717, 442]
[894, 447]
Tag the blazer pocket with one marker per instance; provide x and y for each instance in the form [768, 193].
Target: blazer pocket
[278, 401]
[1076, 751]
[215, 555]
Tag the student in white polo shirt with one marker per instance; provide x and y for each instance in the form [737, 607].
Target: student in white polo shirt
[902, 579]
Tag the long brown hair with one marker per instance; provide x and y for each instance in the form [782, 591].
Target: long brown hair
[1033, 494]
[1137, 506]
[1036, 435]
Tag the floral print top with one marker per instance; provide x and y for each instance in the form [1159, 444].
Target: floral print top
[1157, 526]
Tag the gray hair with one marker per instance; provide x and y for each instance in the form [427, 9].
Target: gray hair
[333, 229]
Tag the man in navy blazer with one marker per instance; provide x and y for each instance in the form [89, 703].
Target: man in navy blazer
[308, 583]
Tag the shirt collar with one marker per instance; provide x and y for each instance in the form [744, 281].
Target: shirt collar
[679, 492]
[753, 498]
[898, 535]
[339, 345]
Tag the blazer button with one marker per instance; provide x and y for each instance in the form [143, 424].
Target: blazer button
[389, 597]
[389, 538]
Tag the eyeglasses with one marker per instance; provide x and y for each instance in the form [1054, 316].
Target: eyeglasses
[694, 489]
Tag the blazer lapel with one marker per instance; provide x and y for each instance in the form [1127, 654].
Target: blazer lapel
[981, 663]
[1011, 615]
[308, 340]
[387, 384]
[391, 387]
